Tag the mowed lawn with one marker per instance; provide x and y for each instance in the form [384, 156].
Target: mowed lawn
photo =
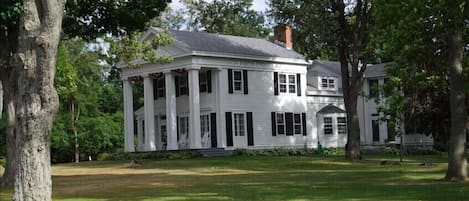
[256, 178]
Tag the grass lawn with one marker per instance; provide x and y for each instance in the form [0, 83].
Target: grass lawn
[255, 178]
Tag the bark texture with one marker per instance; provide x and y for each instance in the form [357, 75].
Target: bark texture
[350, 52]
[37, 100]
[457, 162]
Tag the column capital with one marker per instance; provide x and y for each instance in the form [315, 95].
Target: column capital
[194, 67]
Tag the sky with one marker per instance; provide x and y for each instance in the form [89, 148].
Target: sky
[258, 5]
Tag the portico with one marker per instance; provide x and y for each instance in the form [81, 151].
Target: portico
[160, 131]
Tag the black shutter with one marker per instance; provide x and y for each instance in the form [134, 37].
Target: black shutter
[213, 129]
[176, 81]
[155, 92]
[276, 83]
[303, 122]
[229, 129]
[177, 127]
[274, 124]
[289, 123]
[245, 80]
[250, 129]
[230, 81]
[209, 81]
[298, 84]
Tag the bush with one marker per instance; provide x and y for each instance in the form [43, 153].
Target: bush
[334, 152]
[3, 162]
[422, 151]
[389, 151]
[121, 156]
[274, 152]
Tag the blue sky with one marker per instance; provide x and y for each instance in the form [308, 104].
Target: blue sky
[259, 5]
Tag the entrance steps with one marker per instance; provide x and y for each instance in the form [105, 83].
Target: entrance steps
[215, 152]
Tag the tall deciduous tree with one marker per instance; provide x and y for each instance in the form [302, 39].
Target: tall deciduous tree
[339, 28]
[37, 102]
[233, 17]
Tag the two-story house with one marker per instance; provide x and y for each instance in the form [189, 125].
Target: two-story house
[235, 92]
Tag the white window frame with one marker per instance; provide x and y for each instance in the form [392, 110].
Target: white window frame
[330, 83]
[328, 125]
[181, 124]
[183, 85]
[237, 129]
[287, 83]
[342, 126]
[277, 124]
[241, 81]
[204, 124]
[160, 88]
[297, 124]
[203, 84]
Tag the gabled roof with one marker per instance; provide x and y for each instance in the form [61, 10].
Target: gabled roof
[372, 70]
[330, 109]
[230, 45]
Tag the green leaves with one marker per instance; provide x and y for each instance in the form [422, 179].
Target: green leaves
[9, 11]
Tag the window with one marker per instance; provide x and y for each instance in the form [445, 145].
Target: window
[183, 87]
[291, 83]
[341, 125]
[373, 88]
[143, 131]
[287, 83]
[391, 132]
[375, 130]
[238, 80]
[328, 83]
[203, 84]
[239, 128]
[282, 82]
[183, 128]
[297, 123]
[328, 126]
[204, 124]
[280, 118]
[160, 84]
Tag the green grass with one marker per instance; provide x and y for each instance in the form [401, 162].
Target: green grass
[255, 178]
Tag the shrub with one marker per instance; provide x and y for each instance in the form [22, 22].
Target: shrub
[389, 151]
[274, 152]
[422, 151]
[3, 162]
[160, 155]
[334, 151]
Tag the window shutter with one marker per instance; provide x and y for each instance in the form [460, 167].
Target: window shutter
[274, 124]
[176, 81]
[245, 80]
[177, 127]
[303, 123]
[250, 129]
[213, 129]
[289, 123]
[229, 129]
[209, 81]
[276, 83]
[230, 81]
[298, 84]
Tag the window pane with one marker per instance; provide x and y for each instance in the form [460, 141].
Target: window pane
[281, 129]
[282, 78]
[324, 83]
[283, 88]
[280, 118]
[341, 120]
[328, 120]
[237, 75]
[292, 88]
[297, 129]
[237, 86]
[291, 79]
[297, 118]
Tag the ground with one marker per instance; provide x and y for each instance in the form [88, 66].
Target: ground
[256, 178]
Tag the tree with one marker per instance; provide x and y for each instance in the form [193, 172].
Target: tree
[232, 17]
[457, 161]
[37, 101]
[84, 18]
[341, 29]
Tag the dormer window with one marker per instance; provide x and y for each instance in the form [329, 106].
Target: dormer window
[328, 83]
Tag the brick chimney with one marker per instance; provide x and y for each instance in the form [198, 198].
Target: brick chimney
[283, 35]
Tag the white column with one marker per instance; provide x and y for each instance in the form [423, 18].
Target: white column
[149, 114]
[194, 109]
[128, 117]
[171, 121]
[220, 114]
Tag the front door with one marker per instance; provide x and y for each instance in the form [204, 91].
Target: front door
[239, 128]
[183, 140]
[163, 132]
[205, 131]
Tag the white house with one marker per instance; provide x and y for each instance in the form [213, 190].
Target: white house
[235, 92]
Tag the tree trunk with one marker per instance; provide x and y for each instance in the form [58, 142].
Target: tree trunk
[353, 136]
[457, 162]
[74, 119]
[9, 174]
[37, 101]
[1, 99]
